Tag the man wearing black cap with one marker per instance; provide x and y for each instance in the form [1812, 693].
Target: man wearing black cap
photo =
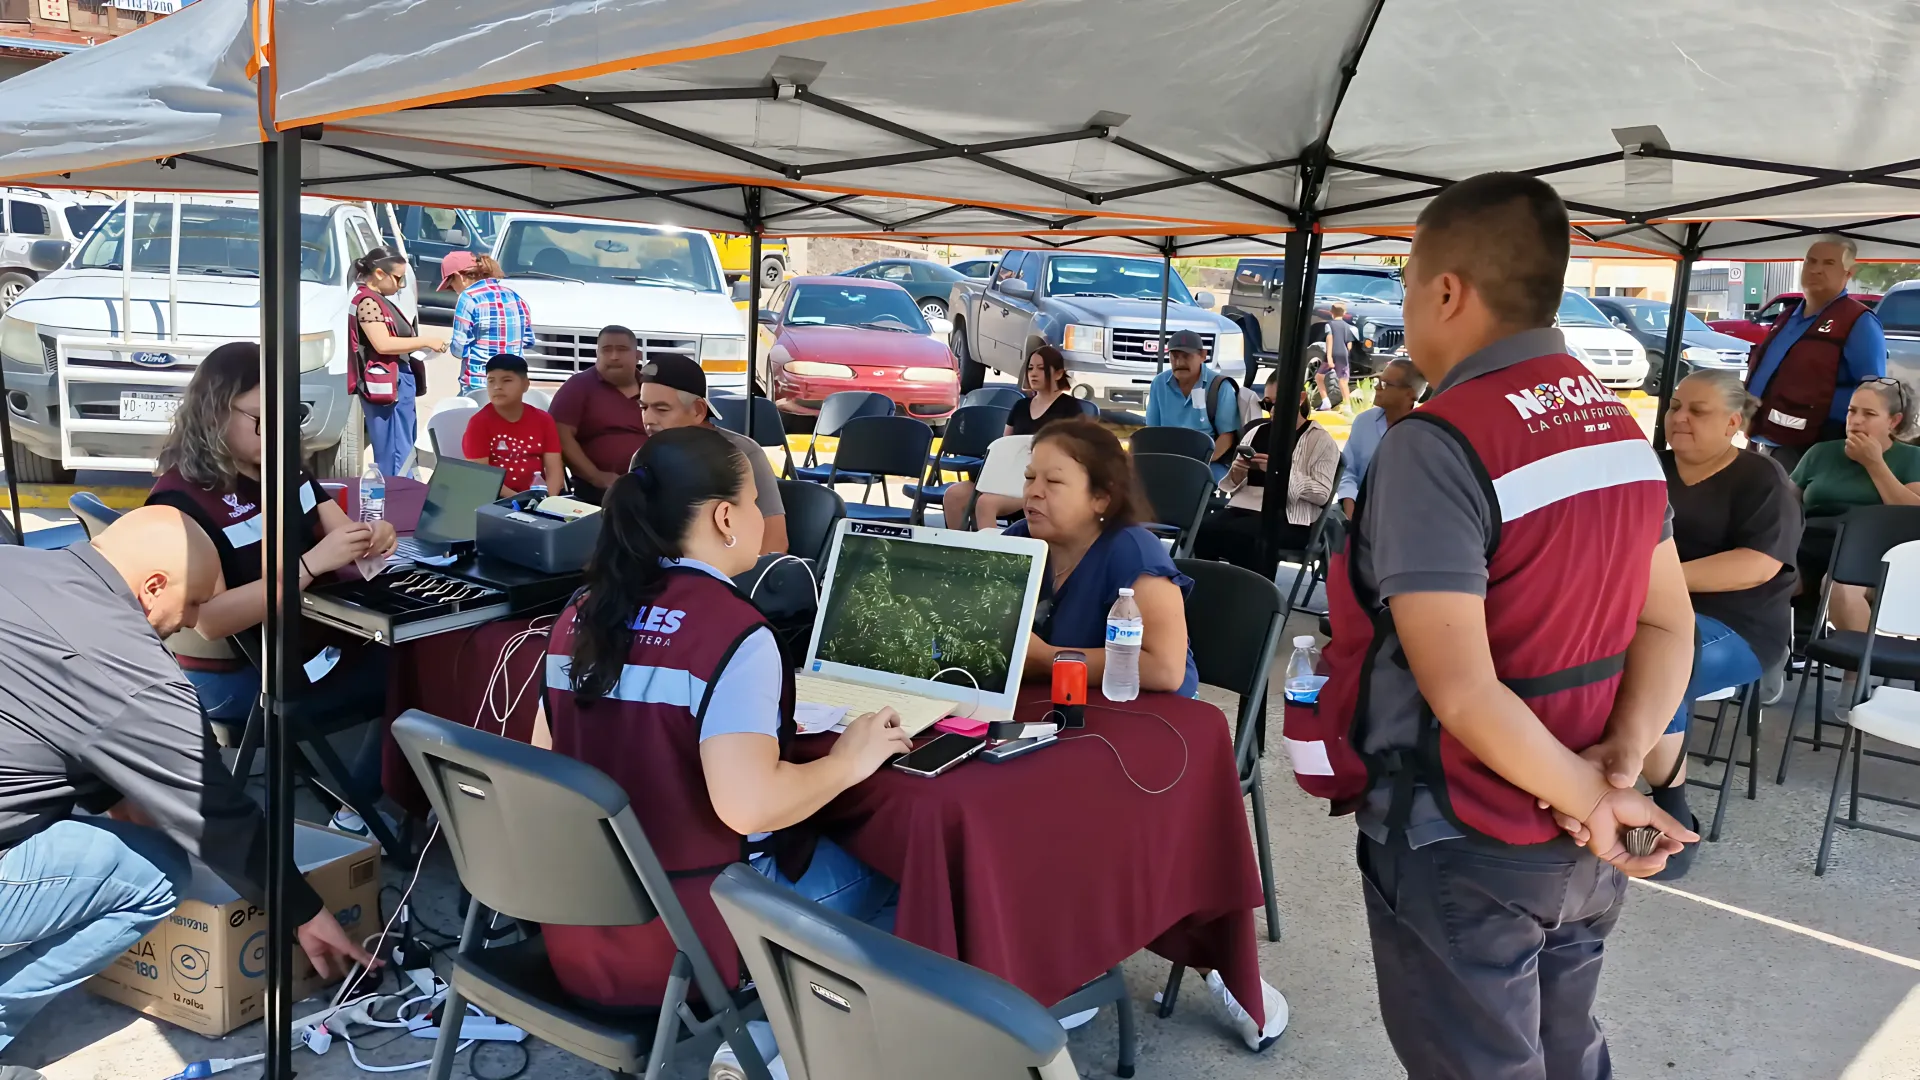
[1182, 396]
[673, 394]
[510, 434]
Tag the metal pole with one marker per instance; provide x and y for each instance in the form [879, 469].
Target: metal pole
[1166, 288]
[173, 277]
[1296, 307]
[753, 299]
[12, 456]
[126, 277]
[280, 408]
[1676, 330]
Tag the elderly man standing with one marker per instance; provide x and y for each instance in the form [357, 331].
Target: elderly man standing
[598, 414]
[1395, 393]
[1807, 367]
[673, 394]
[1183, 396]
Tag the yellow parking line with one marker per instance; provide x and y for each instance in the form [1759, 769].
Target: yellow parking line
[55, 496]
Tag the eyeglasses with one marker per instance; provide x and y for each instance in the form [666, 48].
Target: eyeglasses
[1269, 404]
[255, 418]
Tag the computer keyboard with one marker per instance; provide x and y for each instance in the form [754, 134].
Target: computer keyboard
[917, 713]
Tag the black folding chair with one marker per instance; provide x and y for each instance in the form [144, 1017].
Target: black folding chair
[1185, 442]
[812, 512]
[849, 1002]
[873, 448]
[1745, 702]
[1002, 395]
[1179, 488]
[1866, 534]
[835, 412]
[542, 838]
[768, 427]
[963, 449]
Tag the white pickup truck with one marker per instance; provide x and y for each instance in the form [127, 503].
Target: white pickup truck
[663, 283]
[97, 353]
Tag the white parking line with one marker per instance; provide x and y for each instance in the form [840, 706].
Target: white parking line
[1803, 931]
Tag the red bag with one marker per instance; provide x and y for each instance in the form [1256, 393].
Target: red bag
[1319, 736]
[375, 378]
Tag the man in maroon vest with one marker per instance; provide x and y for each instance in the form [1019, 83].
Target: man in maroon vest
[1527, 638]
[1805, 370]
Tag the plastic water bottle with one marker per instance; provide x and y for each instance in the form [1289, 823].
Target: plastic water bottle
[539, 486]
[1121, 681]
[373, 507]
[1303, 671]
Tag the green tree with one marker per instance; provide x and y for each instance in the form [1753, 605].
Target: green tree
[1877, 276]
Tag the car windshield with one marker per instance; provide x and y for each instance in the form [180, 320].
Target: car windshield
[1654, 317]
[1368, 288]
[82, 218]
[1098, 275]
[1577, 310]
[1900, 310]
[872, 307]
[218, 240]
[609, 254]
[936, 272]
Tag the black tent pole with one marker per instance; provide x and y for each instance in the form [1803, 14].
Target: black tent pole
[1296, 316]
[1676, 330]
[280, 408]
[12, 459]
[754, 233]
[1166, 288]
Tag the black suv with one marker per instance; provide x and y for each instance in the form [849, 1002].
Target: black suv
[1372, 295]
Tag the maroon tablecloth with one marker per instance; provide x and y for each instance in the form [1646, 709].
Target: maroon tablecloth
[1052, 868]
[447, 675]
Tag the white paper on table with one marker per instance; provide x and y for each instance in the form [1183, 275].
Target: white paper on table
[813, 718]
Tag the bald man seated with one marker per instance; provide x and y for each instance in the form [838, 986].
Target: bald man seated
[95, 715]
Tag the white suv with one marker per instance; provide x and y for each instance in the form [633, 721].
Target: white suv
[28, 215]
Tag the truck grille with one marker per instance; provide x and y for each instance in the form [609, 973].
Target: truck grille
[568, 350]
[1144, 345]
[49, 352]
[1389, 338]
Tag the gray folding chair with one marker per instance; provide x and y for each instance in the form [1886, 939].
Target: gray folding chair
[543, 838]
[1234, 621]
[849, 1002]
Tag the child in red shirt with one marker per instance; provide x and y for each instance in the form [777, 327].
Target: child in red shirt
[509, 434]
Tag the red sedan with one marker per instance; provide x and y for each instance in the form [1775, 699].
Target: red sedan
[822, 335]
[1755, 329]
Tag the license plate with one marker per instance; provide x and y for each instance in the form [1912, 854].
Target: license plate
[138, 405]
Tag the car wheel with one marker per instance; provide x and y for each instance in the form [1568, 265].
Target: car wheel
[933, 309]
[973, 374]
[772, 267]
[342, 459]
[35, 469]
[11, 286]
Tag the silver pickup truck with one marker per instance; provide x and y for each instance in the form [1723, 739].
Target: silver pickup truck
[1103, 311]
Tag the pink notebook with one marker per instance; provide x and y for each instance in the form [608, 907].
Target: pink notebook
[960, 725]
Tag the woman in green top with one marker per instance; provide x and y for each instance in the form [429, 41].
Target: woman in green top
[1868, 468]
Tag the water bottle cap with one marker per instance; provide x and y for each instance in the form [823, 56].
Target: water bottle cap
[1304, 641]
[1126, 592]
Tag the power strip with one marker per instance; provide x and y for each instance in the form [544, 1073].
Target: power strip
[476, 1028]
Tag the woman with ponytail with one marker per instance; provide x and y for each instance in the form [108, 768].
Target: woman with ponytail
[661, 673]
[379, 371]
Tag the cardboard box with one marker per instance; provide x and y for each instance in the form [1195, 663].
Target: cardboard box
[205, 967]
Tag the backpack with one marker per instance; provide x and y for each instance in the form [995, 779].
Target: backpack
[1247, 400]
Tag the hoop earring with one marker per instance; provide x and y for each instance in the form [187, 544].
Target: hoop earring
[732, 540]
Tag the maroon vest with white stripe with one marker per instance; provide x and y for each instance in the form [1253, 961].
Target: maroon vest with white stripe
[646, 736]
[1579, 500]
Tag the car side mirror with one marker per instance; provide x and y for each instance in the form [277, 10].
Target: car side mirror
[1619, 322]
[940, 326]
[1204, 299]
[769, 318]
[742, 290]
[47, 256]
[1019, 290]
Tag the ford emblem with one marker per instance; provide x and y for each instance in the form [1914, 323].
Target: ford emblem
[155, 359]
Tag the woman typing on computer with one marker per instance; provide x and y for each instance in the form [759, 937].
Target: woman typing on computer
[1082, 499]
[665, 676]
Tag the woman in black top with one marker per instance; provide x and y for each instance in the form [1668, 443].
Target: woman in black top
[1047, 400]
[1736, 523]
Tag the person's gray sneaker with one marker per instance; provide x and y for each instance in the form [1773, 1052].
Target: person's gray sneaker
[20, 1072]
[1773, 686]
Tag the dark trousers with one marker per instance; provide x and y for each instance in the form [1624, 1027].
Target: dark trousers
[1232, 534]
[1488, 958]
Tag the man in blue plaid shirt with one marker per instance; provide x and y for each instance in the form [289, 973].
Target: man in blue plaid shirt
[488, 319]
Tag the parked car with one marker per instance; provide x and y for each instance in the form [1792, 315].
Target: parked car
[929, 283]
[1702, 349]
[28, 216]
[1755, 328]
[976, 268]
[828, 334]
[1372, 295]
[1103, 311]
[431, 233]
[97, 356]
[662, 282]
[1899, 312]
[1611, 353]
[736, 251]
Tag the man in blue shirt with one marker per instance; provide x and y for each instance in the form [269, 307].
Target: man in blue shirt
[1823, 280]
[1395, 393]
[1178, 397]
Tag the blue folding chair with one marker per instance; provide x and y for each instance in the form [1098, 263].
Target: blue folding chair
[873, 448]
[835, 412]
[1002, 394]
[970, 430]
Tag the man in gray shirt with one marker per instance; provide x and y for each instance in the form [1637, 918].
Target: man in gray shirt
[96, 715]
[673, 394]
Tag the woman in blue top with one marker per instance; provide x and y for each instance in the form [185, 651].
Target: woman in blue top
[1082, 499]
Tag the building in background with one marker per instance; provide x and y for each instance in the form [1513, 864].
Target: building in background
[33, 32]
[1646, 279]
[1722, 290]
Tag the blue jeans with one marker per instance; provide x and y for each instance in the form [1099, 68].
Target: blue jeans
[226, 695]
[839, 882]
[1724, 659]
[72, 897]
[392, 428]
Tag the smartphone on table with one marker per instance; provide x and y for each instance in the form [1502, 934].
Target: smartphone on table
[943, 753]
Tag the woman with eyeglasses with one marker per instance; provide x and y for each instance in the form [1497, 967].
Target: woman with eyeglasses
[1232, 533]
[379, 369]
[1870, 467]
[210, 471]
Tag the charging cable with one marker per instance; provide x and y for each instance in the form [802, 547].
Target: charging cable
[757, 582]
[501, 698]
[976, 687]
[1186, 752]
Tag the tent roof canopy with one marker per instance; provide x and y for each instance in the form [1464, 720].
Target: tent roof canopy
[996, 117]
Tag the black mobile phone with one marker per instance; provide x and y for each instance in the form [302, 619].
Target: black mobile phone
[1244, 451]
[943, 753]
